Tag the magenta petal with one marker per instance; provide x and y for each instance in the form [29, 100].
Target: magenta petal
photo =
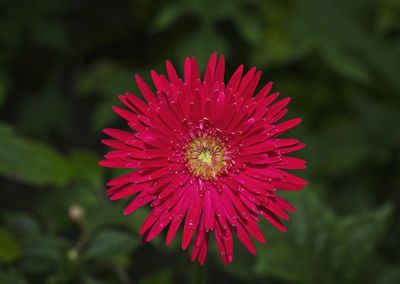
[192, 220]
[145, 90]
[203, 251]
[178, 214]
[141, 200]
[205, 155]
[156, 229]
[148, 223]
[264, 91]
[129, 190]
[220, 72]
[285, 126]
[284, 204]
[127, 115]
[245, 239]
[212, 62]
[278, 106]
[270, 217]
[246, 79]
[235, 79]
[251, 86]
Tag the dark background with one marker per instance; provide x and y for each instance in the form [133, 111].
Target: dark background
[62, 65]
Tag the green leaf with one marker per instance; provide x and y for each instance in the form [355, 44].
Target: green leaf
[31, 162]
[3, 91]
[105, 79]
[39, 164]
[11, 277]
[350, 148]
[313, 24]
[249, 27]
[103, 213]
[372, 115]
[110, 245]
[32, 120]
[21, 224]
[164, 277]
[390, 275]
[43, 253]
[345, 64]
[194, 44]
[86, 168]
[9, 249]
[168, 16]
[89, 279]
[320, 245]
[51, 34]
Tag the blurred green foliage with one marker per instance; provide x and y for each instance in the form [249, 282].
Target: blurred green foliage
[62, 65]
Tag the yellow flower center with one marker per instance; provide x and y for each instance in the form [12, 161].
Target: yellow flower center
[205, 157]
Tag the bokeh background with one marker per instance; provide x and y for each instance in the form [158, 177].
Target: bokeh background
[62, 65]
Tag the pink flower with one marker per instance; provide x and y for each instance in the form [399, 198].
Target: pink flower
[207, 156]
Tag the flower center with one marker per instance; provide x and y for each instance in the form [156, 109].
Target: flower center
[205, 157]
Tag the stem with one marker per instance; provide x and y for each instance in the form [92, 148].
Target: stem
[122, 275]
[199, 274]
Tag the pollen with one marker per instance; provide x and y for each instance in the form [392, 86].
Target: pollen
[205, 157]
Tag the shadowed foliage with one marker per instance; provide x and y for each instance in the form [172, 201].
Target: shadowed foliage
[63, 64]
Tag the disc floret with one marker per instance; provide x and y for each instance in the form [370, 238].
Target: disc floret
[205, 157]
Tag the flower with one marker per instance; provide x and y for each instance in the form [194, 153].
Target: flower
[207, 155]
[76, 212]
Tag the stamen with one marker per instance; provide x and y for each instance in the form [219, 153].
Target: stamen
[206, 156]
